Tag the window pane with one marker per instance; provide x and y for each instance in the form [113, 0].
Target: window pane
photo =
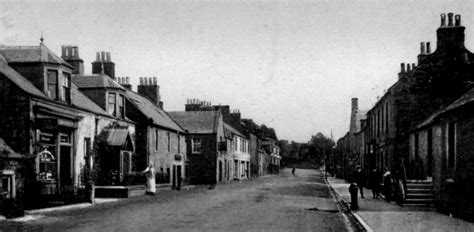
[111, 104]
[52, 84]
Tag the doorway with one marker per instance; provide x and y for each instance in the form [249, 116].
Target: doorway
[65, 167]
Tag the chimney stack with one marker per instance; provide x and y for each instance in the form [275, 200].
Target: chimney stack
[103, 64]
[150, 90]
[451, 36]
[70, 54]
[124, 82]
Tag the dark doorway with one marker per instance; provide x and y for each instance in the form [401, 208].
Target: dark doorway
[174, 177]
[220, 170]
[430, 154]
[65, 167]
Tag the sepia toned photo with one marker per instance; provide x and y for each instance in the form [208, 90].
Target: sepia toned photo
[224, 115]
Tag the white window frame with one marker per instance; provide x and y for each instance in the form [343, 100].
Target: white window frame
[10, 176]
[194, 148]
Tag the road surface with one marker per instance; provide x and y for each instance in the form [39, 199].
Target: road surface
[271, 203]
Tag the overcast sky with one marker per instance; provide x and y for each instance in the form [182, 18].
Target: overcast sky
[292, 65]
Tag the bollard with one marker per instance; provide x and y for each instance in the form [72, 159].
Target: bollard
[353, 191]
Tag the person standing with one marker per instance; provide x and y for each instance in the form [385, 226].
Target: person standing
[387, 185]
[150, 183]
[359, 180]
[375, 180]
[293, 171]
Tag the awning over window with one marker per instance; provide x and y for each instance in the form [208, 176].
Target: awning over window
[118, 137]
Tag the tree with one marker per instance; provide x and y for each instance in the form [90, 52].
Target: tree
[320, 146]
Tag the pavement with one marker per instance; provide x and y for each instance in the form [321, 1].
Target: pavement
[380, 215]
[273, 203]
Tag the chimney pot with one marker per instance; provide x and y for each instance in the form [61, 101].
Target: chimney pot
[422, 48]
[428, 48]
[97, 57]
[443, 20]
[402, 65]
[154, 81]
[76, 52]
[102, 58]
[127, 80]
[457, 20]
[413, 66]
[108, 56]
[408, 67]
[141, 80]
[450, 19]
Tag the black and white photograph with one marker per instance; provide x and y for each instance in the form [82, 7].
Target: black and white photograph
[237, 115]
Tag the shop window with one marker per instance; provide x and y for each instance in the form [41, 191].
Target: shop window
[196, 145]
[53, 84]
[47, 165]
[7, 187]
[66, 94]
[111, 104]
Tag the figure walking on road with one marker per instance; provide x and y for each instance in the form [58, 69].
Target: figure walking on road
[293, 171]
[359, 180]
[150, 175]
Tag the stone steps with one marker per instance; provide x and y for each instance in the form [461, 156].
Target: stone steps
[419, 193]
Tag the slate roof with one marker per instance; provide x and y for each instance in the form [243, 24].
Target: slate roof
[229, 129]
[6, 151]
[80, 100]
[19, 80]
[26, 54]
[116, 136]
[77, 98]
[197, 122]
[465, 99]
[159, 116]
[95, 81]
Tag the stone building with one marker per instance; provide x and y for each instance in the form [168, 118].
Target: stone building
[397, 132]
[441, 149]
[46, 120]
[349, 152]
[116, 140]
[204, 152]
[158, 138]
[438, 79]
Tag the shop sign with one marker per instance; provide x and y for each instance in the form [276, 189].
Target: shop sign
[45, 137]
[47, 123]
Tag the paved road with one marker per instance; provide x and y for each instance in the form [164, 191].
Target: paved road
[271, 203]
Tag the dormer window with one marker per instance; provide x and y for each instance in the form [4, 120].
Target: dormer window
[53, 84]
[112, 104]
[66, 94]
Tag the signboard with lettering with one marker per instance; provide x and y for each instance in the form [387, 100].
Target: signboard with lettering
[46, 137]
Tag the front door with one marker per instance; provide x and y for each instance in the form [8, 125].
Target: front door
[65, 167]
[174, 177]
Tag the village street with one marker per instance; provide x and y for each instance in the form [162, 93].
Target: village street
[271, 203]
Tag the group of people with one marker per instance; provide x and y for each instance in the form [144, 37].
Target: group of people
[375, 180]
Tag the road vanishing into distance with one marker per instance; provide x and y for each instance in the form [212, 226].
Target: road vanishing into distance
[270, 203]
